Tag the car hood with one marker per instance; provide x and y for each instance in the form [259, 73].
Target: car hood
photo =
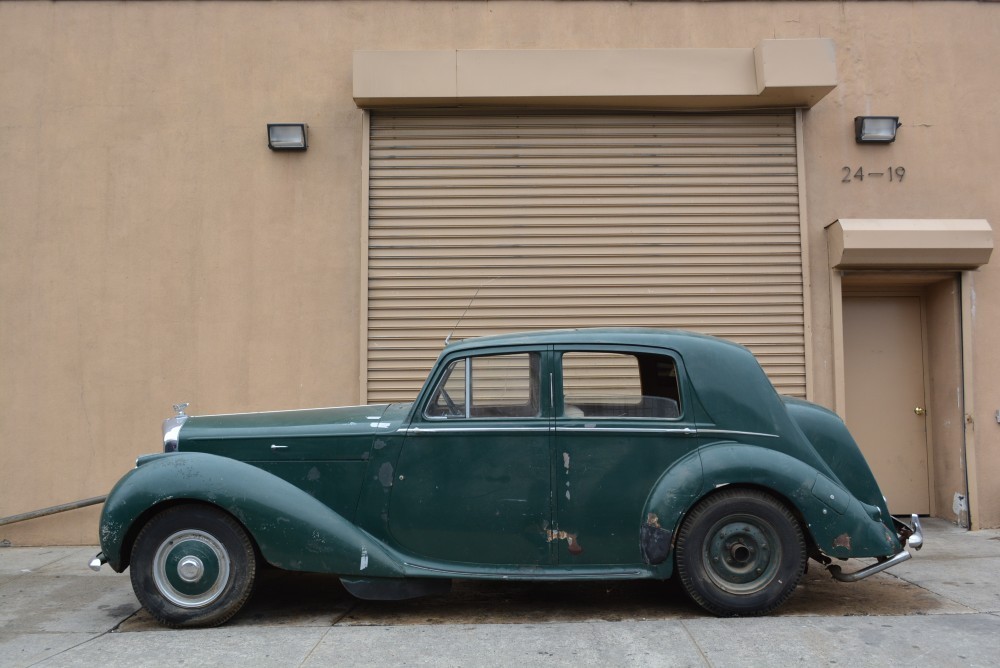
[344, 433]
[340, 421]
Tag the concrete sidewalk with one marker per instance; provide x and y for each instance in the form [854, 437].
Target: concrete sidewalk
[941, 608]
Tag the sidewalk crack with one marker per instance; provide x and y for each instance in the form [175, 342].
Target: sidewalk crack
[697, 646]
[334, 623]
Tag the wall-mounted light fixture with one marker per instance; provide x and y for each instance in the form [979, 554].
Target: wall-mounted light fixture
[287, 136]
[875, 129]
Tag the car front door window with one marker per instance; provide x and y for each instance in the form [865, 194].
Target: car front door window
[488, 386]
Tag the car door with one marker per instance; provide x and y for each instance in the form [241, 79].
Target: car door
[620, 421]
[473, 479]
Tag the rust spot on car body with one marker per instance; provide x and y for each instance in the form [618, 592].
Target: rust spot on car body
[843, 540]
[654, 540]
[572, 544]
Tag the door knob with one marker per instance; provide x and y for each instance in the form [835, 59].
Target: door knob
[919, 411]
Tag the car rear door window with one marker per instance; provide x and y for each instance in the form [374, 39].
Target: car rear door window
[619, 385]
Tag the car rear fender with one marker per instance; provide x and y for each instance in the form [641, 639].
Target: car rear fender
[671, 497]
[840, 526]
[292, 529]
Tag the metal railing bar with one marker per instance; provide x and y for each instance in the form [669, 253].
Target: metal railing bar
[52, 510]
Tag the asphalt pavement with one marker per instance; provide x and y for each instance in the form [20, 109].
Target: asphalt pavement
[941, 608]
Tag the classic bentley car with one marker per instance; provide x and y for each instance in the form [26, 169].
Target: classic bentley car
[561, 455]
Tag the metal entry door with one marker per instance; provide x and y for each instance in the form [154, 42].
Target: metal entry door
[886, 405]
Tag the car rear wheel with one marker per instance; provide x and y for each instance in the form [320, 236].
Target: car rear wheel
[740, 552]
[193, 565]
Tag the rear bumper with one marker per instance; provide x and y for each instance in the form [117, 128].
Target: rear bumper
[909, 537]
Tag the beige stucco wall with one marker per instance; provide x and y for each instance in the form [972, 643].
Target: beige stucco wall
[152, 249]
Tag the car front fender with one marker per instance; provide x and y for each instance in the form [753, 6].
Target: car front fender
[293, 530]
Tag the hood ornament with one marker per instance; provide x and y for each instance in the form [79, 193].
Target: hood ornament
[180, 408]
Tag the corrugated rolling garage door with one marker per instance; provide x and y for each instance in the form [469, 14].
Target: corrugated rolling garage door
[488, 223]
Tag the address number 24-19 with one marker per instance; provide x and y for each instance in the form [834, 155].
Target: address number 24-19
[894, 174]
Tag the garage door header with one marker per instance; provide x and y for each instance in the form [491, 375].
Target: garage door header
[775, 73]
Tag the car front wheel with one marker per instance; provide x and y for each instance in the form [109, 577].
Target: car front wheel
[193, 565]
[740, 552]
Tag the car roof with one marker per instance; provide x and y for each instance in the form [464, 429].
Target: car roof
[643, 336]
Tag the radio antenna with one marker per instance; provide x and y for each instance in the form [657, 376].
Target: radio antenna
[447, 339]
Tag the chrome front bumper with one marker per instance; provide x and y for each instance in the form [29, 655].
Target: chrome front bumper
[98, 561]
[911, 537]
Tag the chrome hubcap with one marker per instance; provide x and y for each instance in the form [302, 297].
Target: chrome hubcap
[191, 568]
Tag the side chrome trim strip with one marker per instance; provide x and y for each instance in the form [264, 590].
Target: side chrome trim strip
[686, 431]
[727, 432]
[413, 431]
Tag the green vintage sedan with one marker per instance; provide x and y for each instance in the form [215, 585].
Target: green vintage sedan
[562, 455]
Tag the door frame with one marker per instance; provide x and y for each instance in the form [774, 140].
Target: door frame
[893, 283]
